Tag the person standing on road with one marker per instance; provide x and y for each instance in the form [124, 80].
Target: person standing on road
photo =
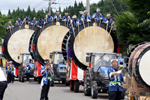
[12, 72]
[3, 83]
[27, 72]
[8, 71]
[115, 79]
[46, 73]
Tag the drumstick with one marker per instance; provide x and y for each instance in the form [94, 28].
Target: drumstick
[100, 22]
[65, 23]
[109, 32]
[43, 27]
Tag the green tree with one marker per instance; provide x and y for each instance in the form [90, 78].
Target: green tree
[3, 25]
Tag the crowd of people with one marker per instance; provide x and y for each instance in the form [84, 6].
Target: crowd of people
[75, 22]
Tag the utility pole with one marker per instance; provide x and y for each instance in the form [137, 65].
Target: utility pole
[88, 6]
[50, 3]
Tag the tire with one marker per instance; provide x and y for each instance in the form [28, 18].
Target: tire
[39, 79]
[71, 85]
[123, 94]
[76, 86]
[94, 90]
[19, 78]
[35, 79]
[67, 83]
[87, 90]
[52, 83]
[63, 82]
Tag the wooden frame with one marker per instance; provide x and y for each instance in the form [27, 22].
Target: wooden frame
[134, 89]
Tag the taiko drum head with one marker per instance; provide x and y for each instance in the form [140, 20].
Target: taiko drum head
[49, 39]
[16, 42]
[91, 39]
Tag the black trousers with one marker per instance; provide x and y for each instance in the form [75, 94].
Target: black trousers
[12, 78]
[8, 78]
[3, 86]
[44, 92]
[114, 95]
[28, 76]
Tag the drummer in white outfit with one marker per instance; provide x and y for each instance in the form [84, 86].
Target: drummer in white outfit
[3, 83]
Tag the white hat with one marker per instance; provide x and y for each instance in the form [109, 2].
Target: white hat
[48, 13]
[74, 16]
[114, 60]
[9, 21]
[57, 12]
[66, 13]
[9, 61]
[98, 9]
[46, 61]
[85, 11]
[108, 15]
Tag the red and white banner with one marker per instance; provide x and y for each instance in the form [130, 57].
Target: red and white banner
[76, 72]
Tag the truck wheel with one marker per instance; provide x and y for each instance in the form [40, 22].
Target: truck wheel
[63, 82]
[122, 94]
[87, 90]
[67, 83]
[71, 85]
[52, 83]
[76, 86]
[19, 78]
[39, 80]
[94, 90]
[35, 79]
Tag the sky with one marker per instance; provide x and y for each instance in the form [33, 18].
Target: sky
[5, 5]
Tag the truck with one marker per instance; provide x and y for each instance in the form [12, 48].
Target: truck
[25, 58]
[58, 66]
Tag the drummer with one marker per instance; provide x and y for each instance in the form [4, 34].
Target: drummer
[85, 17]
[115, 78]
[48, 18]
[40, 23]
[57, 16]
[19, 22]
[26, 20]
[97, 16]
[10, 26]
[108, 20]
[34, 22]
[75, 22]
[66, 18]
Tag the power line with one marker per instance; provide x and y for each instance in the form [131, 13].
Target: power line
[38, 4]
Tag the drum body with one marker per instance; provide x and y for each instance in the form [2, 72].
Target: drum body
[16, 42]
[91, 38]
[49, 39]
[139, 63]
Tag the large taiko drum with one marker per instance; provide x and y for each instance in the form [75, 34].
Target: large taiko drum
[139, 63]
[91, 38]
[49, 39]
[16, 42]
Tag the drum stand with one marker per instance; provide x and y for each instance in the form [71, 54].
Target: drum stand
[134, 89]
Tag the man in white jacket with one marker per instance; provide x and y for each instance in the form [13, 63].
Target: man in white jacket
[3, 83]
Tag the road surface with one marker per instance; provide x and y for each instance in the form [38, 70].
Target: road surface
[31, 91]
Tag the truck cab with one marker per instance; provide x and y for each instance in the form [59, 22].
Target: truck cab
[58, 66]
[25, 58]
[96, 77]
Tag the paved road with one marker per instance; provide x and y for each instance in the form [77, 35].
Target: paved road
[31, 91]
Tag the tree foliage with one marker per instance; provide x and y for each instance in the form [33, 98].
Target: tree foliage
[3, 25]
[133, 25]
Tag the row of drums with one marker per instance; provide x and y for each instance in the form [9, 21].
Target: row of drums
[58, 36]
